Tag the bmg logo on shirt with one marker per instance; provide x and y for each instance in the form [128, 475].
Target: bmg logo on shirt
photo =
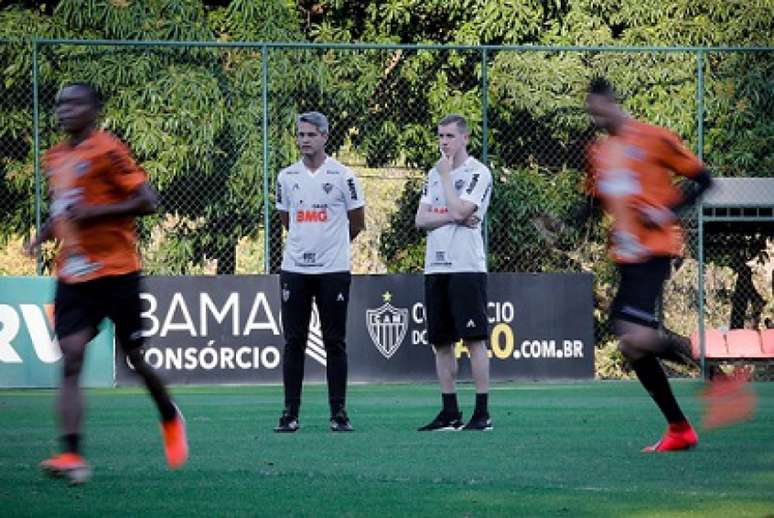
[312, 216]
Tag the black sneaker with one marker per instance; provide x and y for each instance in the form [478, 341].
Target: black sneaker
[481, 422]
[443, 422]
[288, 423]
[340, 422]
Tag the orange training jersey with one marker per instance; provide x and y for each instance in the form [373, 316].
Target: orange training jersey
[98, 171]
[632, 170]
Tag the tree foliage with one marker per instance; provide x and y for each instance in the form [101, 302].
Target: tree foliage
[193, 115]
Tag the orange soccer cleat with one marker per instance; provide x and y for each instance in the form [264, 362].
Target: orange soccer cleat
[679, 436]
[175, 441]
[71, 466]
[728, 400]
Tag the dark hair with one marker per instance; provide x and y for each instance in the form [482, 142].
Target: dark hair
[96, 98]
[601, 86]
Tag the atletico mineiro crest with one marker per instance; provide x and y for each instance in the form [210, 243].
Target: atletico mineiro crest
[387, 326]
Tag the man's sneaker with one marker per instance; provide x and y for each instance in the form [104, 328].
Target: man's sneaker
[175, 440]
[340, 422]
[444, 422]
[679, 436]
[288, 423]
[71, 466]
[480, 422]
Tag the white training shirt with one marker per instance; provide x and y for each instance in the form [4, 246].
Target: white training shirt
[317, 203]
[453, 247]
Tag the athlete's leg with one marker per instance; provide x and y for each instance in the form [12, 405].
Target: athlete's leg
[76, 315]
[125, 310]
[150, 379]
[446, 367]
[636, 324]
[468, 290]
[637, 343]
[332, 300]
[441, 333]
[69, 402]
[296, 293]
[479, 366]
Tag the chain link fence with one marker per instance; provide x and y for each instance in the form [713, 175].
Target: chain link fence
[738, 217]
[17, 177]
[194, 116]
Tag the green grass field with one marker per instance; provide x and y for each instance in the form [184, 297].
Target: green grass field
[556, 450]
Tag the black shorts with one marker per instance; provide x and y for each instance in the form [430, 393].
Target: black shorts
[455, 307]
[640, 290]
[83, 305]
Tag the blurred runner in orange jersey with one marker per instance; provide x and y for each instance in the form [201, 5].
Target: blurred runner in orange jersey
[97, 191]
[631, 171]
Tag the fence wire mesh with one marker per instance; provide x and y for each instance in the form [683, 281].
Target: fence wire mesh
[383, 105]
[17, 176]
[194, 117]
[739, 217]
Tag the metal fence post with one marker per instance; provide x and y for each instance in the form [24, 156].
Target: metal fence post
[266, 222]
[485, 135]
[699, 209]
[36, 152]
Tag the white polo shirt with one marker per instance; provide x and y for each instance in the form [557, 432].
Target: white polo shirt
[317, 203]
[452, 247]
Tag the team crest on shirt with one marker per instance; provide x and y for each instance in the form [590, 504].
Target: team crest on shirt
[81, 167]
[387, 326]
[327, 187]
[459, 184]
[296, 187]
[619, 182]
[634, 152]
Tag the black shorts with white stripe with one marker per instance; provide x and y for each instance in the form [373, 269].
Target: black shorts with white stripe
[455, 307]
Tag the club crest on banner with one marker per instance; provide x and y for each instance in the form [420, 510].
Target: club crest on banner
[387, 326]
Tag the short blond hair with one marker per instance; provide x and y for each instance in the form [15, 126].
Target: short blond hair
[455, 118]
